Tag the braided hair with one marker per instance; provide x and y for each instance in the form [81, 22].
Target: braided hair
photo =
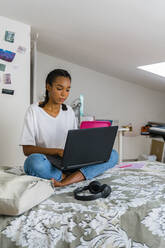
[51, 77]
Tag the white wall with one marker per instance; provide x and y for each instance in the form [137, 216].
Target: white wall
[12, 108]
[109, 98]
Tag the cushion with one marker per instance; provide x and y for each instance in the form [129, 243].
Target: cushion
[20, 192]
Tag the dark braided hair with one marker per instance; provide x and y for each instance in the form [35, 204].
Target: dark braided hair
[51, 77]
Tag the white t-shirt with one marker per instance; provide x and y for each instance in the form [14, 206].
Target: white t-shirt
[41, 129]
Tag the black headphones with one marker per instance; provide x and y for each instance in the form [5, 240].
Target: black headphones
[97, 190]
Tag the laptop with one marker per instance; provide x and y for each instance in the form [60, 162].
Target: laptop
[85, 147]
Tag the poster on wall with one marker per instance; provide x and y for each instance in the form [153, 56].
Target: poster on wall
[7, 55]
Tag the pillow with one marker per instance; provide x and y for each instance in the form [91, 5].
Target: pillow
[20, 192]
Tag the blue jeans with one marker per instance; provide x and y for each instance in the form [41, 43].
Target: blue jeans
[38, 165]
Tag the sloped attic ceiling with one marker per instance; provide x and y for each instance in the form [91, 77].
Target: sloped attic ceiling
[110, 36]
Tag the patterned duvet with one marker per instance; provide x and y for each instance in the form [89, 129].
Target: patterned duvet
[133, 216]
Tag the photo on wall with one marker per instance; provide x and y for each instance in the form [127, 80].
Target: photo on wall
[9, 36]
[2, 67]
[8, 91]
[7, 78]
[21, 49]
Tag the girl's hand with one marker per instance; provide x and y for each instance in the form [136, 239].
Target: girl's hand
[60, 152]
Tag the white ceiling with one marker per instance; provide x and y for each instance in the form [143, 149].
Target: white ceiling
[110, 36]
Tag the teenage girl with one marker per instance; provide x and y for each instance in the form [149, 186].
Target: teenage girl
[45, 129]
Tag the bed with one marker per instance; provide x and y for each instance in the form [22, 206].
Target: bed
[133, 216]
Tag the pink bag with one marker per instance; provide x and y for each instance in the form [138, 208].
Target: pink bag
[94, 124]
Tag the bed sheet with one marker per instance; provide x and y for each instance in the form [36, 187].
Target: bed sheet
[133, 216]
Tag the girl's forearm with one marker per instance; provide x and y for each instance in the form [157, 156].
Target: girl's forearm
[28, 150]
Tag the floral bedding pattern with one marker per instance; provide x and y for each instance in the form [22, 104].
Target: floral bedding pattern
[133, 216]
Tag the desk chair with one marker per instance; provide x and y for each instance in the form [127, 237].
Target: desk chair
[95, 124]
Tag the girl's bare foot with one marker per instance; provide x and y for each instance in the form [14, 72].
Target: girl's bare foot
[63, 176]
[73, 178]
[56, 183]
